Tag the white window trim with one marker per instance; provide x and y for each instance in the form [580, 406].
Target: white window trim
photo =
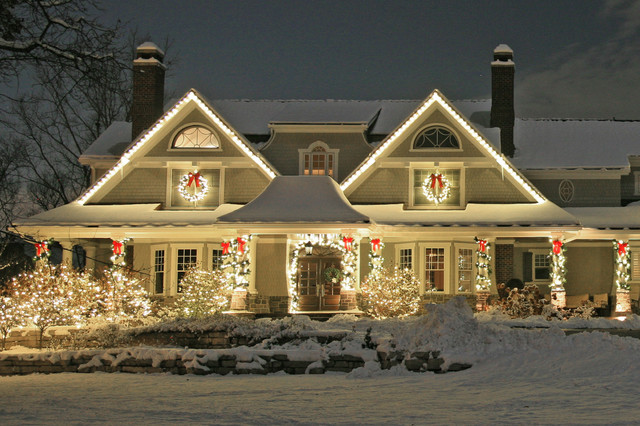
[172, 286]
[167, 262]
[175, 134]
[411, 246]
[209, 247]
[471, 247]
[435, 149]
[169, 193]
[447, 265]
[447, 166]
[309, 150]
[533, 266]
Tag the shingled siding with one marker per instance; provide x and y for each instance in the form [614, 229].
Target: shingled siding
[283, 153]
[488, 186]
[589, 270]
[139, 186]
[243, 185]
[384, 186]
[271, 267]
[587, 192]
[628, 186]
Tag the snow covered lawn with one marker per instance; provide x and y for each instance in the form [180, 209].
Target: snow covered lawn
[518, 376]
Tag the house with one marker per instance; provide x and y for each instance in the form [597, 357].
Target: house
[303, 198]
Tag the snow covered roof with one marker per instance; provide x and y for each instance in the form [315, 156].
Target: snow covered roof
[327, 113]
[534, 214]
[112, 142]
[298, 199]
[608, 217]
[557, 143]
[76, 214]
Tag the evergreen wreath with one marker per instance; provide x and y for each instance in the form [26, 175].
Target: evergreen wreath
[436, 188]
[199, 181]
[332, 274]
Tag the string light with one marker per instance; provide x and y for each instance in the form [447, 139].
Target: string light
[483, 265]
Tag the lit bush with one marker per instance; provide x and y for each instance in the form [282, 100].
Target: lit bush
[204, 293]
[122, 296]
[391, 293]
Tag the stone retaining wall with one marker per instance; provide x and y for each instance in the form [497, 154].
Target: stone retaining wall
[203, 362]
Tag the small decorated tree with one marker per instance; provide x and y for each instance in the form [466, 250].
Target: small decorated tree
[122, 295]
[204, 293]
[391, 293]
[10, 317]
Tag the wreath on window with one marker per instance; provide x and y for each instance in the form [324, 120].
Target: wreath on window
[436, 188]
[332, 274]
[198, 182]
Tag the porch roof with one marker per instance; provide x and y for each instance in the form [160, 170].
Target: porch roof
[484, 215]
[608, 217]
[298, 199]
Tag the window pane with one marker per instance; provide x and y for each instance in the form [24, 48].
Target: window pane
[434, 269]
[406, 259]
[196, 137]
[187, 258]
[216, 258]
[159, 271]
[465, 269]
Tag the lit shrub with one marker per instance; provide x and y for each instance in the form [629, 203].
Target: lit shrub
[391, 293]
[203, 293]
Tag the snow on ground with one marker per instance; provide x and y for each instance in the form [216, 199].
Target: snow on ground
[519, 376]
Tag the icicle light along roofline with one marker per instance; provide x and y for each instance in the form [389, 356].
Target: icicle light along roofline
[190, 96]
[435, 97]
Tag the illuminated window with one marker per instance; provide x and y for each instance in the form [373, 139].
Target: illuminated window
[319, 160]
[422, 177]
[196, 137]
[435, 137]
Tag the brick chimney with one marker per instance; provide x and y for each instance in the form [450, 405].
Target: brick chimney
[502, 109]
[148, 87]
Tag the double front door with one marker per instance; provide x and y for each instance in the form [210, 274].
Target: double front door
[316, 289]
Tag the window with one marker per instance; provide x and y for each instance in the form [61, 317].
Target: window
[319, 160]
[216, 258]
[635, 266]
[405, 258]
[434, 269]
[186, 259]
[566, 190]
[195, 137]
[422, 180]
[435, 137]
[158, 271]
[541, 267]
[465, 270]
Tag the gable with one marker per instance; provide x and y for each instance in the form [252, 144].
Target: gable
[476, 171]
[153, 150]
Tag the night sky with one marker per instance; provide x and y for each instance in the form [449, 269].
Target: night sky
[577, 58]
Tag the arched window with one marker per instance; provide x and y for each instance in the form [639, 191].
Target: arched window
[319, 160]
[196, 137]
[435, 137]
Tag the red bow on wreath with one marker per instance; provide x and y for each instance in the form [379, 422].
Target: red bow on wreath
[194, 177]
[225, 247]
[117, 248]
[375, 244]
[41, 248]
[557, 247]
[622, 249]
[434, 178]
[241, 244]
[348, 243]
[482, 245]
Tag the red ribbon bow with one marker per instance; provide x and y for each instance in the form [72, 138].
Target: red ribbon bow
[348, 243]
[41, 248]
[435, 178]
[117, 248]
[483, 245]
[194, 177]
[622, 249]
[225, 247]
[241, 244]
[375, 244]
[557, 247]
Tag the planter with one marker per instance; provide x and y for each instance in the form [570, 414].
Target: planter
[308, 303]
[331, 302]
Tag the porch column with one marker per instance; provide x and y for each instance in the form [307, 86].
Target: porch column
[67, 252]
[253, 245]
[91, 251]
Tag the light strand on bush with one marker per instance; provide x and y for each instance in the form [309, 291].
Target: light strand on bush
[204, 293]
[391, 293]
[375, 255]
[558, 260]
[483, 265]
[236, 260]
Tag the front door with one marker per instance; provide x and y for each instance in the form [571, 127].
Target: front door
[314, 290]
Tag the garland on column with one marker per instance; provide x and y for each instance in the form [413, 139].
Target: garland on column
[483, 265]
[236, 261]
[119, 248]
[42, 250]
[558, 270]
[349, 262]
[623, 265]
[375, 256]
